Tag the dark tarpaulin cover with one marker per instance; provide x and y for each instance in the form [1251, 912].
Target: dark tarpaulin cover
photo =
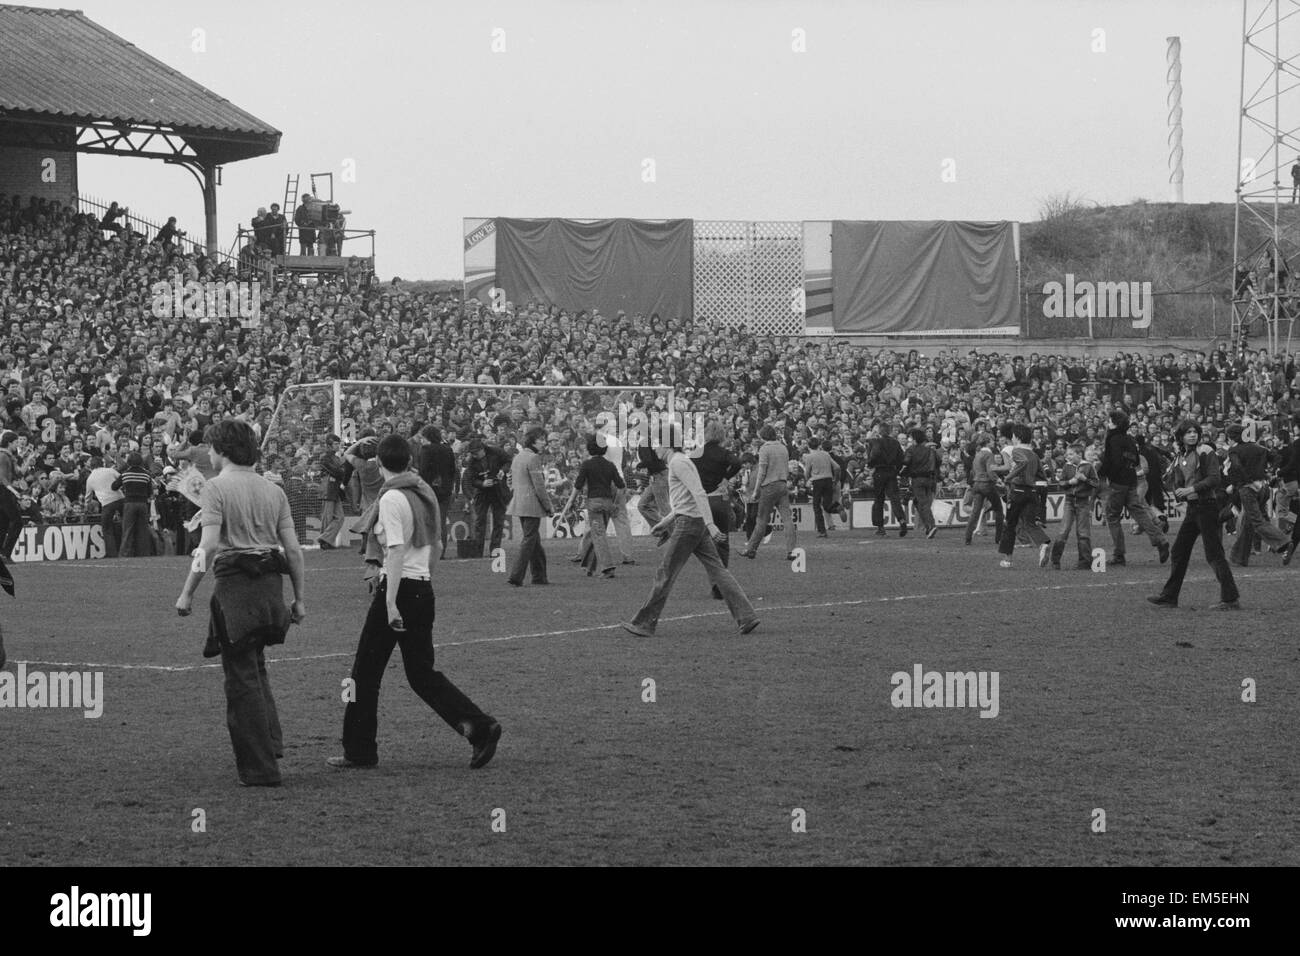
[613, 264]
[890, 277]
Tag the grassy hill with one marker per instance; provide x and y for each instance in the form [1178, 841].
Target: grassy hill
[1184, 250]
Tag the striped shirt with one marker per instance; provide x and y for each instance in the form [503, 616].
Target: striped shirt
[136, 484]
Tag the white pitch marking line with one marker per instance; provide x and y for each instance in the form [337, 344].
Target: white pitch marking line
[174, 668]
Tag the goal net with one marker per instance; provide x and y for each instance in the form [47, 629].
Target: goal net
[294, 441]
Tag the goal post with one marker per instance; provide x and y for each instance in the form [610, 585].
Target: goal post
[306, 414]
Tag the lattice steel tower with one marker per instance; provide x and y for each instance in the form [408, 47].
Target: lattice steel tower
[1266, 225]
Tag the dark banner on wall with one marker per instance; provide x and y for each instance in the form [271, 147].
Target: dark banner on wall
[919, 277]
[612, 264]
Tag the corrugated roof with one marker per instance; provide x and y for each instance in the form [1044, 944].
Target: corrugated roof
[61, 64]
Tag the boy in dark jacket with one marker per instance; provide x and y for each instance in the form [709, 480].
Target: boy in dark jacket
[1196, 478]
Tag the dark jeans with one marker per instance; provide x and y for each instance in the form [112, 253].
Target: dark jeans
[360, 718]
[923, 498]
[1024, 503]
[689, 537]
[1202, 521]
[483, 504]
[1126, 496]
[136, 542]
[112, 541]
[984, 492]
[251, 716]
[530, 556]
[1077, 518]
[444, 514]
[823, 499]
[885, 483]
[1254, 526]
[773, 496]
[595, 543]
[720, 509]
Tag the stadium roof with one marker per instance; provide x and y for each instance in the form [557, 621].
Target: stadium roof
[58, 68]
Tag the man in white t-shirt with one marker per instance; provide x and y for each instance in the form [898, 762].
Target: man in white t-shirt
[99, 483]
[404, 521]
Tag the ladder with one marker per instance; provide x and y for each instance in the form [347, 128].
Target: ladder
[289, 208]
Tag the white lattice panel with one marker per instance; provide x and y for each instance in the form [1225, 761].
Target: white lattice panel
[750, 275]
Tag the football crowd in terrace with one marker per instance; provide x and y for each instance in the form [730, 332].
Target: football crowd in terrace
[91, 375]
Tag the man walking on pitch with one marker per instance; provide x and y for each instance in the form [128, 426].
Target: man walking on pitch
[250, 542]
[921, 464]
[984, 487]
[773, 491]
[688, 529]
[1022, 480]
[404, 521]
[1196, 479]
[824, 475]
[1119, 462]
[885, 459]
[529, 503]
[437, 466]
[1249, 473]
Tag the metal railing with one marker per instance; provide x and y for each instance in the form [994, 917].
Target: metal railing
[146, 227]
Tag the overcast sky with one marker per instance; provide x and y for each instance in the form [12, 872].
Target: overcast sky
[738, 124]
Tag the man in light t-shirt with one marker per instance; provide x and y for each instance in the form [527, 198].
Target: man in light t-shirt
[99, 483]
[405, 523]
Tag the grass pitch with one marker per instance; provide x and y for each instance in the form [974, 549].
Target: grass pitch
[1104, 703]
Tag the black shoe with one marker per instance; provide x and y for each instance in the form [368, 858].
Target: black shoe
[880, 532]
[1083, 566]
[1286, 559]
[902, 531]
[607, 574]
[1159, 600]
[968, 540]
[715, 594]
[746, 628]
[628, 561]
[1118, 562]
[343, 763]
[515, 584]
[1226, 606]
[821, 534]
[1164, 552]
[486, 747]
[932, 532]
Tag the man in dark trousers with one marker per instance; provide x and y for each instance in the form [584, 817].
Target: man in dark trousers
[921, 464]
[1119, 462]
[885, 458]
[1196, 480]
[1249, 471]
[404, 522]
[333, 476]
[823, 473]
[437, 467]
[249, 541]
[486, 476]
